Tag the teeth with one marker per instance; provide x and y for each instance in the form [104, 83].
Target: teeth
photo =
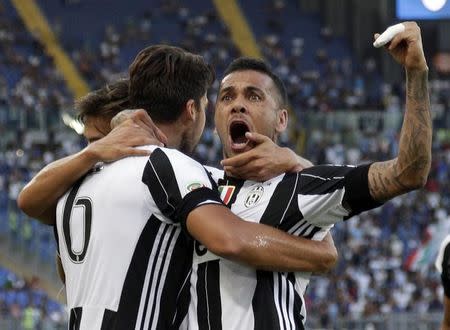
[239, 145]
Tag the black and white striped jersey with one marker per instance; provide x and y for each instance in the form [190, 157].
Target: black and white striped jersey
[443, 264]
[127, 264]
[228, 295]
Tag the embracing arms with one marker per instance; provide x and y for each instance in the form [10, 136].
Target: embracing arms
[39, 197]
[258, 245]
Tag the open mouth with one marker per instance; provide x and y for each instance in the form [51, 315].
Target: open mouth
[237, 133]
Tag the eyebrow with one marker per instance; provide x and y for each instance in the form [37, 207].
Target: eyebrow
[247, 89]
[226, 89]
[253, 89]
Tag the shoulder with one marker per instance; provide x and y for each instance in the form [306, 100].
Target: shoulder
[173, 156]
[215, 173]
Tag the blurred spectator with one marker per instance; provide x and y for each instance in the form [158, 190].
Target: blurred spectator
[27, 304]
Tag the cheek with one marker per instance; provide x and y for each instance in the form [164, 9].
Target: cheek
[265, 124]
[217, 119]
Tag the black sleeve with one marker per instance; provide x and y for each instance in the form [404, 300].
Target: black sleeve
[329, 193]
[357, 197]
[194, 199]
[445, 275]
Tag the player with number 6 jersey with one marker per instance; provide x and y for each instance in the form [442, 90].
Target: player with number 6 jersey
[123, 254]
[122, 251]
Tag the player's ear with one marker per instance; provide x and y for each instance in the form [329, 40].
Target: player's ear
[282, 120]
[190, 110]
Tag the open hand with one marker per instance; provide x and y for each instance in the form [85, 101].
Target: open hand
[141, 118]
[130, 130]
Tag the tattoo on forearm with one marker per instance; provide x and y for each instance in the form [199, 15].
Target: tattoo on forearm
[400, 175]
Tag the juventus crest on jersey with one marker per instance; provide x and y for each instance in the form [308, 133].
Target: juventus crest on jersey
[126, 262]
[228, 295]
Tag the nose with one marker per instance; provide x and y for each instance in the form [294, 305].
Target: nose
[238, 108]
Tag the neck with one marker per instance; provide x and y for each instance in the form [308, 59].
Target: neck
[174, 133]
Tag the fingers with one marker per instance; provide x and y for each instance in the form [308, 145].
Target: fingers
[141, 137]
[304, 163]
[256, 170]
[395, 34]
[121, 117]
[136, 152]
[142, 118]
[125, 152]
[129, 134]
[245, 173]
[232, 172]
[139, 118]
[238, 160]
[142, 115]
[145, 141]
[396, 41]
[388, 34]
[256, 137]
[161, 136]
[132, 118]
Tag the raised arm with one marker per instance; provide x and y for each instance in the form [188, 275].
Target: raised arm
[39, 197]
[257, 245]
[409, 170]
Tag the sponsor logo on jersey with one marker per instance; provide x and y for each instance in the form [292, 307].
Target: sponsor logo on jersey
[226, 192]
[194, 186]
[254, 196]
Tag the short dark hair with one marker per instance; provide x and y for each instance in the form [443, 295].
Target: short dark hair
[107, 101]
[254, 64]
[163, 78]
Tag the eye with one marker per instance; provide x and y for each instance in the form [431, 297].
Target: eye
[255, 98]
[226, 98]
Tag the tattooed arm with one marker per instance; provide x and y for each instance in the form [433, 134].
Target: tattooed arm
[410, 169]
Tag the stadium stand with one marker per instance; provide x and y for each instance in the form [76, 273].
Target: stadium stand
[23, 304]
[32, 88]
[379, 273]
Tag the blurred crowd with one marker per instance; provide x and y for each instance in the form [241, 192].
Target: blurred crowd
[32, 91]
[371, 277]
[23, 305]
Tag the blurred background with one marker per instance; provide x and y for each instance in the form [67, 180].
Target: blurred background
[347, 103]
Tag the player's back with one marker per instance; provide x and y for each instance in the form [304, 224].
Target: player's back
[125, 262]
